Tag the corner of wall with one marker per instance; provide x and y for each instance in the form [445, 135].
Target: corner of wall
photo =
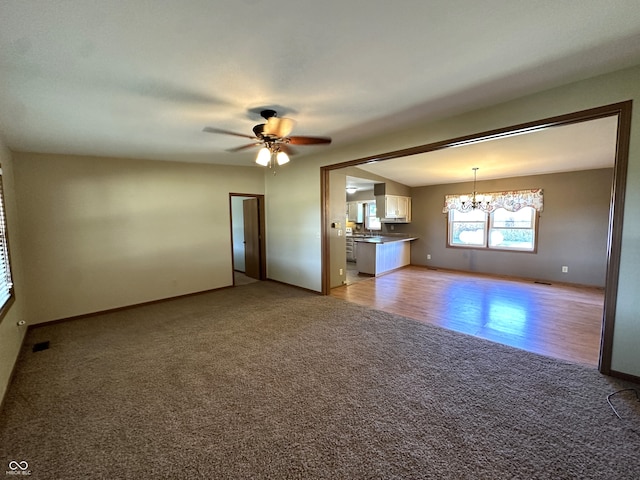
[11, 334]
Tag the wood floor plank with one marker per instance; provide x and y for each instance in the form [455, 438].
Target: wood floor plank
[560, 321]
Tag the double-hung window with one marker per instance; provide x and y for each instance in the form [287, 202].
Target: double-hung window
[508, 222]
[513, 230]
[467, 229]
[6, 282]
[371, 220]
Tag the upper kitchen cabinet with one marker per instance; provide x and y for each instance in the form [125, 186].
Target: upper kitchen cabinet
[355, 212]
[391, 207]
[396, 208]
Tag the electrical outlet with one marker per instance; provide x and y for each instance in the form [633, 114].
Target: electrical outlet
[565, 269]
[428, 256]
[340, 271]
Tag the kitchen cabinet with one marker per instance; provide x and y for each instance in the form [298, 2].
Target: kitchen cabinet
[378, 255]
[395, 208]
[351, 250]
[355, 212]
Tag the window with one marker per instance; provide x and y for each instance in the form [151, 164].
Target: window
[467, 229]
[513, 230]
[500, 230]
[506, 220]
[6, 283]
[371, 220]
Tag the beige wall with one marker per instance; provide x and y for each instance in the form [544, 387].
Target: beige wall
[337, 243]
[11, 334]
[299, 262]
[572, 229]
[101, 233]
[292, 204]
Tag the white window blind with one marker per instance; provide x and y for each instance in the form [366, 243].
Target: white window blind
[6, 282]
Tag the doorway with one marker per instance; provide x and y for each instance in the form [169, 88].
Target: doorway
[247, 238]
[621, 111]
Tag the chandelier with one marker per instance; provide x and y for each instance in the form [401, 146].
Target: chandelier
[269, 152]
[478, 200]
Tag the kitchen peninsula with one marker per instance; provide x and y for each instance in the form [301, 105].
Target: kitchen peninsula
[378, 255]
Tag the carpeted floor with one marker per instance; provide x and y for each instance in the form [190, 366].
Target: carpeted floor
[267, 381]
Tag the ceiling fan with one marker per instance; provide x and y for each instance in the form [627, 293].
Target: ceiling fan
[273, 137]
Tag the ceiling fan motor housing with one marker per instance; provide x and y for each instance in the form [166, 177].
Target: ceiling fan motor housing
[267, 114]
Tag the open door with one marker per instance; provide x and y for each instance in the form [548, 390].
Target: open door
[251, 218]
[248, 236]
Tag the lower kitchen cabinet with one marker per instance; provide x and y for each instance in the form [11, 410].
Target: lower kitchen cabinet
[376, 258]
[351, 250]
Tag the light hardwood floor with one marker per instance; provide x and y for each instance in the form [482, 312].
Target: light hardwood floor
[559, 321]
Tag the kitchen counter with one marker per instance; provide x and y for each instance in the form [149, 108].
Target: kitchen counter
[382, 239]
[381, 254]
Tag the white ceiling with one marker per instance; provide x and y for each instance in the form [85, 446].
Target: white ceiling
[580, 146]
[140, 79]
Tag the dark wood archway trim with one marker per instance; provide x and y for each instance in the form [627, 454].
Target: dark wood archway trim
[622, 110]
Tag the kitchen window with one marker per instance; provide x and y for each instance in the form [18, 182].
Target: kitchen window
[371, 219]
[505, 221]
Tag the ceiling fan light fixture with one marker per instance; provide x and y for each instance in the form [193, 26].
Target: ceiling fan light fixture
[282, 158]
[264, 157]
[273, 137]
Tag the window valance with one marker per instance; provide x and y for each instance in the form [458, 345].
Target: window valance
[513, 201]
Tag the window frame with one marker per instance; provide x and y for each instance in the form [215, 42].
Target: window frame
[534, 218]
[487, 232]
[6, 276]
[369, 218]
[451, 222]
